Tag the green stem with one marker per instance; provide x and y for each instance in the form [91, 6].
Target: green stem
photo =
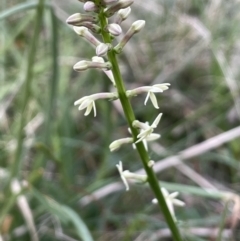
[129, 114]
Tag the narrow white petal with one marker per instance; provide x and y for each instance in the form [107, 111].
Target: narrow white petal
[129, 130]
[145, 144]
[156, 90]
[139, 140]
[110, 76]
[85, 104]
[178, 202]
[171, 208]
[78, 102]
[147, 97]
[165, 192]
[125, 182]
[120, 167]
[162, 86]
[144, 133]
[94, 109]
[156, 121]
[153, 137]
[88, 110]
[173, 195]
[154, 100]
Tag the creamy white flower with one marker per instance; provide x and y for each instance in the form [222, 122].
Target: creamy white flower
[88, 102]
[127, 175]
[158, 88]
[151, 137]
[170, 201]
[120, 169]
[147, 130]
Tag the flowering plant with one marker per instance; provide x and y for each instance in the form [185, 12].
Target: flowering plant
[96, 21]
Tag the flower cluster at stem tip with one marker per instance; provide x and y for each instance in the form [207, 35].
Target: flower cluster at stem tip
[93, 23]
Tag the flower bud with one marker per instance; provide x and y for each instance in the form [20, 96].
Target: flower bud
[90, 7]
[92, 27]
[151, 163]
[115, 145]
[138, 25]
[122, 14]
[88, 102]
[114, 29]
[81, 65]
[84, 65]
[83, 31]
[135, 28]
[119, 5]
[102, 49]
[78, 18]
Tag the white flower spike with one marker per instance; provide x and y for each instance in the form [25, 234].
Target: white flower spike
[158, 88]
[127, 175]
[88, 102]
[170, 200]
[146, 129]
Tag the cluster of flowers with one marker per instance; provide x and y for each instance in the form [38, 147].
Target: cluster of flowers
[89, 25]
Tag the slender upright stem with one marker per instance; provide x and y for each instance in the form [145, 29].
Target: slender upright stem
[129, 114]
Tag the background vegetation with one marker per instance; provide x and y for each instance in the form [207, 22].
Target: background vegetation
[64, 180]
